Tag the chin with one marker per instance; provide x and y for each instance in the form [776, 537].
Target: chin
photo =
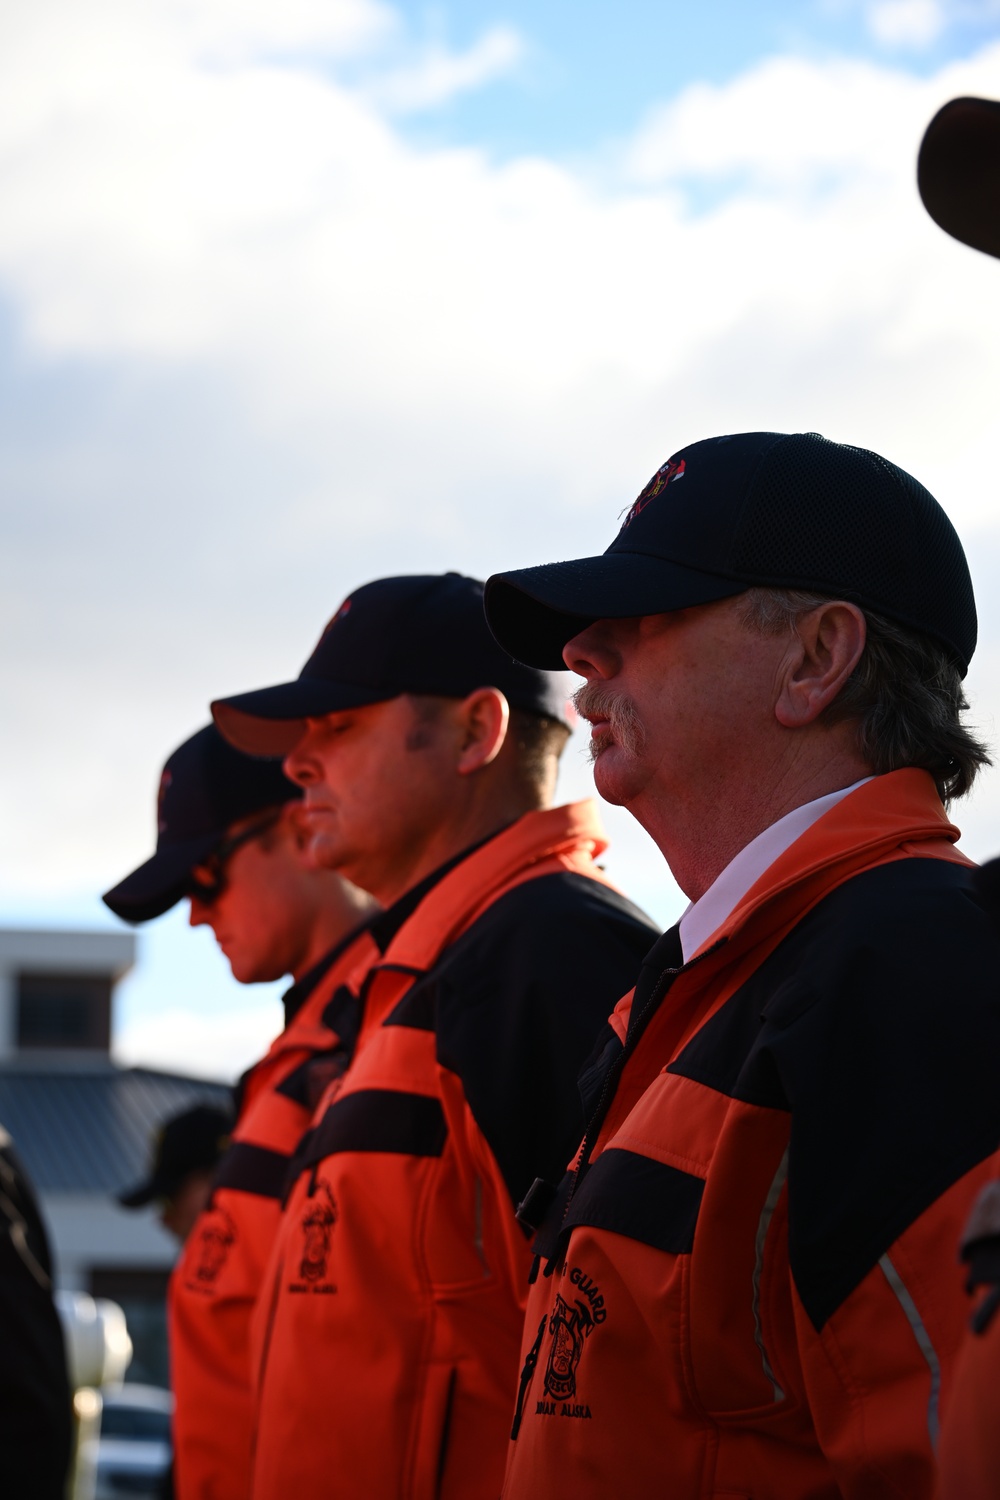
[327, 851]
[611, 779]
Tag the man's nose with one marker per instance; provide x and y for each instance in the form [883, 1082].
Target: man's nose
[297, 764]
[591, 653]
[197, 912]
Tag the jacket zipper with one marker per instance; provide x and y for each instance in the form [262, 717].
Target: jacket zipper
[613, 1075]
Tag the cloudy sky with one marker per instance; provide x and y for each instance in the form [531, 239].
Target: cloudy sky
[293, 295]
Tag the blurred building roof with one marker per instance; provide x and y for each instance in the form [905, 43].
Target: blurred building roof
[86, 1127]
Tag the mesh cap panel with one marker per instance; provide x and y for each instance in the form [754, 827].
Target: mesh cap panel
[881, 529]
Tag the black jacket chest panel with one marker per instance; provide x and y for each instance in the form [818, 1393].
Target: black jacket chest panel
[515, 1004]
[876, 1025]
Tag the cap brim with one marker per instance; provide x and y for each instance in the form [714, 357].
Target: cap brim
[271, 721]
[958, 172]
[533, 612]
[159, 1185]
[160, 883]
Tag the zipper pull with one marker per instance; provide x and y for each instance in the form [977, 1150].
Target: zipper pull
[530, 1361]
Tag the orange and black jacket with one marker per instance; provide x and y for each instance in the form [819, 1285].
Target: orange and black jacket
[218, 1276]
[745, 1284]
[387, 1341]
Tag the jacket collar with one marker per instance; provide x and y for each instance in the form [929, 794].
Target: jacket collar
[890, 817]
[572, 833]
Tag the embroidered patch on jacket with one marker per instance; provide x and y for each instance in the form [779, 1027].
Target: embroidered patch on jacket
[317, 1239]
[216, 1237]
[570, 1325]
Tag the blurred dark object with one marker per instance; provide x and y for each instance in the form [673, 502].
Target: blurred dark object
[192, 1141]
[133, 1456]
[35, 1402]
[958, 172]
[988, 888]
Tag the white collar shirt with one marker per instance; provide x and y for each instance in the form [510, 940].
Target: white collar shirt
[706, 915]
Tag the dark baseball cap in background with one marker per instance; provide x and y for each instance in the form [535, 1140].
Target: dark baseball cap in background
[423, 634]
[958, 172]
[205, 787]
[782, 510]
[192, 1141]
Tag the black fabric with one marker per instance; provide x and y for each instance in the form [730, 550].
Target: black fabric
[378, 1120]
[297, 994]
[517, 1001]
[306, 1084]
[35, 1409]
[253, 1169]
[639, 1198]
[876, 1025]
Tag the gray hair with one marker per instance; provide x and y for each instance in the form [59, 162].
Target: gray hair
[905, 694]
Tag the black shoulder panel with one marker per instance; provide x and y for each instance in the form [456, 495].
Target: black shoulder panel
[876, 1024]
[377, 1120]
[639, 1198]
[518, 1001]
[252, 1169]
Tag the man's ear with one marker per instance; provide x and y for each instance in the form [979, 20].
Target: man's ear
[827, 646]
[483, 716]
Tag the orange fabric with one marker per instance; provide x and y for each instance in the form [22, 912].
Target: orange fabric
[216, 1281]
[386, 1344]
[698, 1374]
[970, 1434]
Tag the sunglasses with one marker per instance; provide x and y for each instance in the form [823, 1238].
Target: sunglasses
[209, 887]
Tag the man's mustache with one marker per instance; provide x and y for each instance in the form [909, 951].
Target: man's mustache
[594, 700]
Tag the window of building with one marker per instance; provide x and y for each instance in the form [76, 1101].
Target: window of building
[64, 1010]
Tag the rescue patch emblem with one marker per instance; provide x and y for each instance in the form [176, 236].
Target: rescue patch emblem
[671, 470]
[317, 1236]
[569, 1328]
[216, 1237]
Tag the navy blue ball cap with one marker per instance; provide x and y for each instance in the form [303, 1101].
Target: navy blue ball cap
[958, 172]
[424, 634]
[205, 787]
[193, 1141]
[771, 509]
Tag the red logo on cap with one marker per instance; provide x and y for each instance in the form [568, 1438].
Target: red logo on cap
[344, 610]
[672, 469]
[165, 781]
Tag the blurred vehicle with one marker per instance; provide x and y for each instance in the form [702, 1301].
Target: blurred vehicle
[134, 1450]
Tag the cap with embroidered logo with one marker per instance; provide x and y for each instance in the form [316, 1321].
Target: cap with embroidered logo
[756, 508]
[420, 633]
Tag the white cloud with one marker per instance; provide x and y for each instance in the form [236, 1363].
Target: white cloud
[187, 1040]
[265, 347]
[439, 74]
[907, 23]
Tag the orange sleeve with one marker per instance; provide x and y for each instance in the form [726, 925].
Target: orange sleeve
[879, 1372]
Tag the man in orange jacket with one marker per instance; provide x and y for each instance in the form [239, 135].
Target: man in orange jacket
[741, 1285]
[387, 1341]
[231, 839]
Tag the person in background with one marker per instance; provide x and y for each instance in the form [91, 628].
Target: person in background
[231, 840]
[36, 1418]
[386, 1342]
[741, 1286]
[958, 174]
[187, 1148]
